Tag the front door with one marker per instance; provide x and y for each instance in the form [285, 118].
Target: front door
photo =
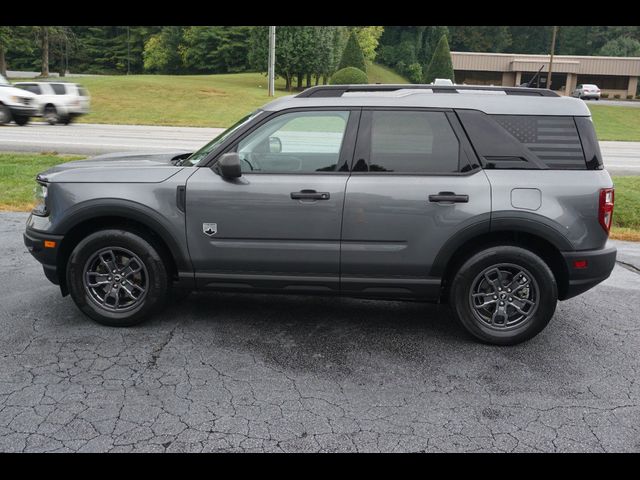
[278, 226]
[414, 187]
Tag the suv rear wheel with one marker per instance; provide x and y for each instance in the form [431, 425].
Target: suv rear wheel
[116, 277]
[504, 295]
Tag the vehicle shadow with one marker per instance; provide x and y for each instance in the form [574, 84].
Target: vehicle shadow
[299, 332]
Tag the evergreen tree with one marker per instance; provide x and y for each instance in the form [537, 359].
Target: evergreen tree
[352, 55]
[441, 65]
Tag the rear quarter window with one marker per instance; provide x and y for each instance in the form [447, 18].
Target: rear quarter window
[553, 140]
[59, 88]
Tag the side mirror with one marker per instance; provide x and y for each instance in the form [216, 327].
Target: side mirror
[228, 166]
[275, 145]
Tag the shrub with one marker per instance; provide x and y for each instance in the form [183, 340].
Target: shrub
[629, 97]
[605, 95]
[348, 76]
[441, 65]
[617, 96]
[352, 55]
[414, 73]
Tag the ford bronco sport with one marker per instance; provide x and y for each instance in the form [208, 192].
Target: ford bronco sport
[492, 199]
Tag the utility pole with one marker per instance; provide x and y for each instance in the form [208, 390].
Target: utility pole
[272, 60]
[553, 49]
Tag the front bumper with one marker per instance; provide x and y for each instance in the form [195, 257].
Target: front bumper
[47, 256]
[23, 110]
[599, 265]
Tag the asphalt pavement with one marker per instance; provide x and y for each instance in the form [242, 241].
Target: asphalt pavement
[228, 372]
[621, 158]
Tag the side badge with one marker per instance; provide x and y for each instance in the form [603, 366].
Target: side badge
[210, 229]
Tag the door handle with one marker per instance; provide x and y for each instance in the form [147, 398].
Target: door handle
[309, 195]
[449, 197]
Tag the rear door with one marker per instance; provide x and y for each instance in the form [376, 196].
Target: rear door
[415, 185]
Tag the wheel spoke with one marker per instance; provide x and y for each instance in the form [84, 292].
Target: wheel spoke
[487, 299]
[129, 270]
[500, 316]
[99, 279]
[108, 259]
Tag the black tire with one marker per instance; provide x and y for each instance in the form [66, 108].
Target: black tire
[67, 120]
[51, 115]
[538, 284]
[21, 119]
[5, 114]
[153, 275]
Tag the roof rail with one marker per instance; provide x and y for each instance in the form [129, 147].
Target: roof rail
[338, 90]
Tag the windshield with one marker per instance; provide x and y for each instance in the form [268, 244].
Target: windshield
[3, 81]
[201, 154]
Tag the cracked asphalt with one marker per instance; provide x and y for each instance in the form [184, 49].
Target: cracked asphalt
[225, 372]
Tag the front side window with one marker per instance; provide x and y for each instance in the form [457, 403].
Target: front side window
[30, 88]
[297, 142]
[413, 142]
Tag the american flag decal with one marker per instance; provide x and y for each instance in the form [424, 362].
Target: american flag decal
[554, 140]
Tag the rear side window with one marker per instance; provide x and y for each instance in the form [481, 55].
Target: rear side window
[82, 92]
[553, 140]
[412, 142]
[59, 88]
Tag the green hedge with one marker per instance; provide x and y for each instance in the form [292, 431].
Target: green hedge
[348, 76]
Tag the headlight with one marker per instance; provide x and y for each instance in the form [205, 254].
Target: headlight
[40, 193]
[15, 99]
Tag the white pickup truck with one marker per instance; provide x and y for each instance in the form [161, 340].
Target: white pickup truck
[16, 104]
[58, 102]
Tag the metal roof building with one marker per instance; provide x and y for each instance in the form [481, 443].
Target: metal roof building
[614, 75]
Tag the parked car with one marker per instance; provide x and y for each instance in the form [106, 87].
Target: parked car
[497, 204]
[587, 91]
[15, 104]
[58, 102]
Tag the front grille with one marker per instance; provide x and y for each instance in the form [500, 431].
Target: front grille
[25, 101]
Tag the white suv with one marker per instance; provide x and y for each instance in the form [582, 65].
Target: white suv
[58, 102]
[15, 104]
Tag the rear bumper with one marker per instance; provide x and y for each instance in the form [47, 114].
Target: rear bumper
[34, 241]
[599, 265]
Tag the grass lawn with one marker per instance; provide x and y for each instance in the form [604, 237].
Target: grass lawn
[616, 123]
[187, 100]
[17, 177]
[18, 171]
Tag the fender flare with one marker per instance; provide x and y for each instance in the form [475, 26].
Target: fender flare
[114, 207]
[507, 222]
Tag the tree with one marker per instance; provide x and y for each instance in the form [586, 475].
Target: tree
[621, 47]
[161, 51]
[352, 55]
[44, 51]
[12, 39]
[441, 65]
[368, 39]
[215, 49]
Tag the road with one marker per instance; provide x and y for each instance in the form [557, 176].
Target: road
[227, 372]
[621, 158]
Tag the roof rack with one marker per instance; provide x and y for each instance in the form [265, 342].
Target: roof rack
[339, 90]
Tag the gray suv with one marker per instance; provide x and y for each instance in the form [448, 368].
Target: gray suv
[494, 200]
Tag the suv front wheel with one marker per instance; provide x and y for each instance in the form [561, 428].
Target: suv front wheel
[116, 277]
[504, 295]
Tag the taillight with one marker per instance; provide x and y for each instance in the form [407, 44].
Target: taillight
[605, 209]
